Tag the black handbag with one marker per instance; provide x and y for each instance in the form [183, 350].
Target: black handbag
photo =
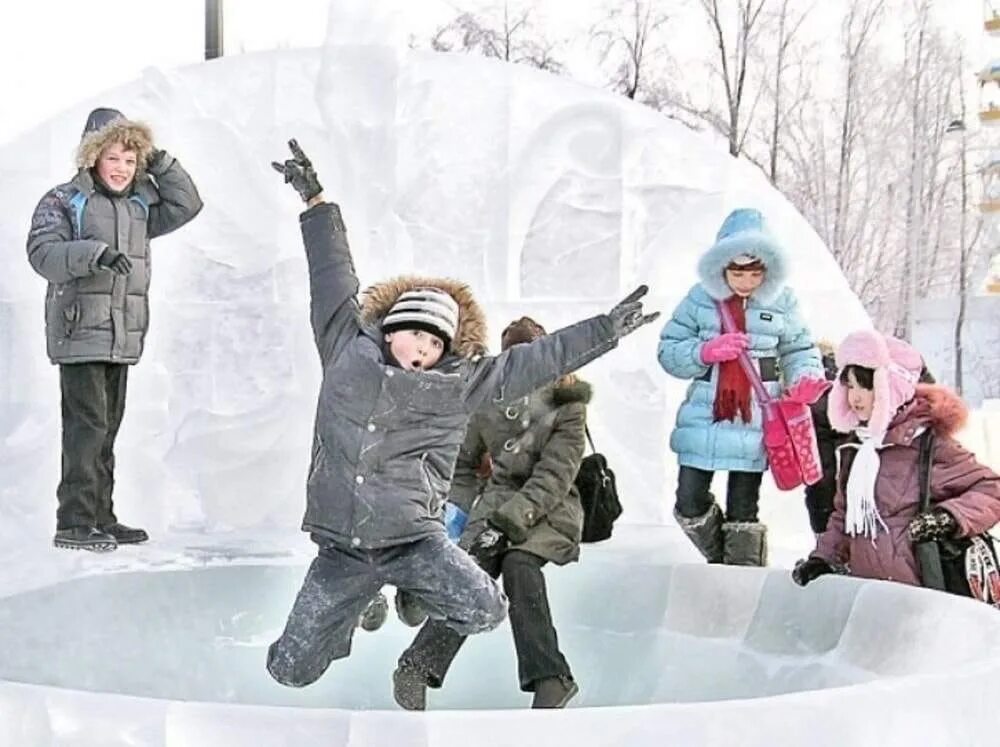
[598, 495]
[951, 564]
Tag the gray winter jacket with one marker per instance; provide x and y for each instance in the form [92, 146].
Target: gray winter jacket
[91, 313]
[386, 439]
[536, 445]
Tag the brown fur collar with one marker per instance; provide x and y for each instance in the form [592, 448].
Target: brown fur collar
[933, 406]
[135, 136]
[472, 333]
[571, 389]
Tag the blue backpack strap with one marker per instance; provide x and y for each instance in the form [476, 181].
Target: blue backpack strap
[76, 205]
[141, 202]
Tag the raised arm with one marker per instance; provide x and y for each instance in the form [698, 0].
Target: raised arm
[52, 250]
[179, 201]
[333, 282]
[524, 368]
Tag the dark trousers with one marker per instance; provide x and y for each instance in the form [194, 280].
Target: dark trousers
[694, 498]
[342, 580]
[535, 640]
[93, 403]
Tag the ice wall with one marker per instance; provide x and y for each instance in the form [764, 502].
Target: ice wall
[548, 197]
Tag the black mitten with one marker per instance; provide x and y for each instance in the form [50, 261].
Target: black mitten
[298, 171]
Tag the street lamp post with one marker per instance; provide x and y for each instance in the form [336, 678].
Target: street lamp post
[213, 29]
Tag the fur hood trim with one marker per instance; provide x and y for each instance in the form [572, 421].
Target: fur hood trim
[577, 390]
[471, 338]
[933, 406]
[136, 136]
[744, 232]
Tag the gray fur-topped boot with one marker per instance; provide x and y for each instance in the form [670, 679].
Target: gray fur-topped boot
[705, 532]
[745, 543]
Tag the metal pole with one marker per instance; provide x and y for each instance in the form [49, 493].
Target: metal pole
[213, 29]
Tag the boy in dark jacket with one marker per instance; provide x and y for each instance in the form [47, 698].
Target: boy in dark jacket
[90, 239]
[401, 376]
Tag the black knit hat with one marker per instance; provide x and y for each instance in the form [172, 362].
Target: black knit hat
[429, 309]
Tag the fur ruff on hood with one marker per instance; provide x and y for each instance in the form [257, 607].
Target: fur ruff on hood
[135, 136]
[933, 406]
[744, 232]
[571, 389]
[472, 335]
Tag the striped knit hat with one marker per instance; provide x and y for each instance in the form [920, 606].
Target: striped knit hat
[429, 309]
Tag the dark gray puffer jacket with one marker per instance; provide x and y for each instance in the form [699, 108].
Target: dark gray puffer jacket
[386, 439]
[91, 313]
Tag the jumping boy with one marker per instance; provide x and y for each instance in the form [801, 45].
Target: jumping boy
[402, 374]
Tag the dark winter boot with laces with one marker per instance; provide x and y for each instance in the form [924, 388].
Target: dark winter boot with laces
[409, 688]
[375, 613]
[125, 535]
[409, 610]
[554, 692]
[84, 538]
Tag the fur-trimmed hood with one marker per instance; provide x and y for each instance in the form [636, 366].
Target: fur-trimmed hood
[744, 232]
[933, 406]
[574, 390]
[471, 338]
[135, 136]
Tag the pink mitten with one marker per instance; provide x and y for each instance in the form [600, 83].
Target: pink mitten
[808, 389]
[725, 347]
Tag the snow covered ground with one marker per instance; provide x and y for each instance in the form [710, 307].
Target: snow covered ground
[551, 199]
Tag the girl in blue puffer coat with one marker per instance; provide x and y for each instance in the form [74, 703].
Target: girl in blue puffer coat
[719, 425]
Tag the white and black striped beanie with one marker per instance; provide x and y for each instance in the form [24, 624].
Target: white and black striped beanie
[429, 309]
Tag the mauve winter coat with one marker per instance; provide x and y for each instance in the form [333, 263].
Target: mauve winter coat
[967, 490]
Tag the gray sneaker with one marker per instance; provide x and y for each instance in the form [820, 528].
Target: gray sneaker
[554, 692]
[409, 688]
[84, 538]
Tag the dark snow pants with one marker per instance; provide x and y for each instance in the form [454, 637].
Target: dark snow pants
[538, 654]
[342, 580]
[93, 403]
[742, 494]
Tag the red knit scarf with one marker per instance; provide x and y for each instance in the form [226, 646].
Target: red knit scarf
[732, 393]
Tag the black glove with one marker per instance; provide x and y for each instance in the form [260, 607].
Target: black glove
[158, 162]
[811, 569]
[488, 546]
[299, 172]
[627, 316]
[932, 525]
[115, 261]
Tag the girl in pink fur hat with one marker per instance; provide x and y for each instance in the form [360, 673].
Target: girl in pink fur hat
[877, 398]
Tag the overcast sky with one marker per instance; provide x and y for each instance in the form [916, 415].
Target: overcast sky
[54, 53]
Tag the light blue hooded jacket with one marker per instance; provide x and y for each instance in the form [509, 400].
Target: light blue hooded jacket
[776, 330]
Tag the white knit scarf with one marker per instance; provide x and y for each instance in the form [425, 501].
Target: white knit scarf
[862, 516]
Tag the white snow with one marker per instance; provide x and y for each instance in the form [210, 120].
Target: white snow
[551, 199]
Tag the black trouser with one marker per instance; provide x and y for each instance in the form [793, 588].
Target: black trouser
[694, 498]
[342, 581]
[535, 640]
[93, 403]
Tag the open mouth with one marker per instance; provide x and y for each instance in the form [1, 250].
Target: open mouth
[416, 364]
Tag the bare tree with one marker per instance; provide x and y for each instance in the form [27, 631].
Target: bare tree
[631, 37]
[732, 63]
[783, 104]
[503, 33]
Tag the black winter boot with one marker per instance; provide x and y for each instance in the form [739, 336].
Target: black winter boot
[705, 532]
[375, 613]
[409, 688]
[745, 543]
[125, 535]
[84, 538]
[409, 610]
[554, 692]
